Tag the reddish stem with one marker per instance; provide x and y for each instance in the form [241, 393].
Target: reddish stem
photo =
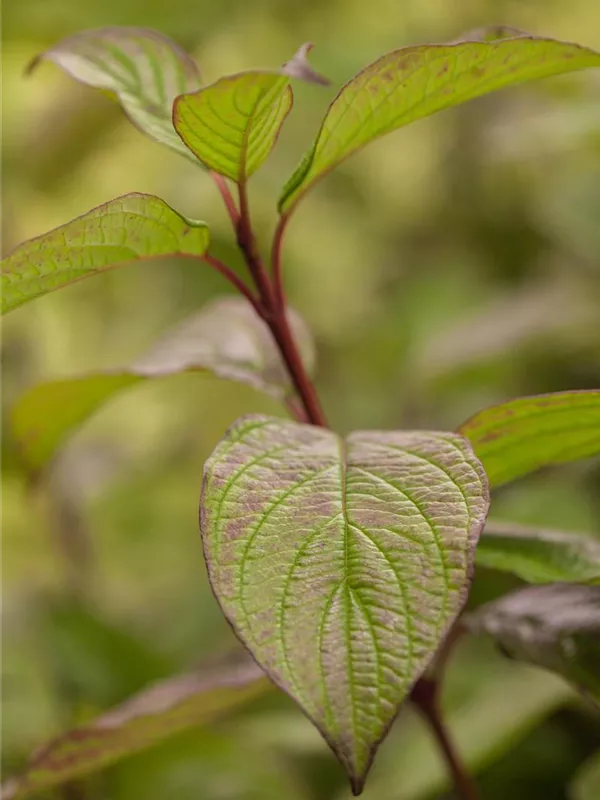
[425, 696]
[272, 309]
[234, 279]
[227, 197]
[276, 265]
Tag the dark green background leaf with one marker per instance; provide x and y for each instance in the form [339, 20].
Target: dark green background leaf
[131, 228]
[539, 556]
[342, 563]
[526, 434]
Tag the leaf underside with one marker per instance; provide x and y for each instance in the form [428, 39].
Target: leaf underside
[341, 563]
[556, 627]
[143, 68]
[131, 228]
[539, 556]
[524, 435]
[415, 82]
[226, 339]
[233, 125]
[154, 715]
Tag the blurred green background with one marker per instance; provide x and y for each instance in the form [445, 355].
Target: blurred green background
[453, 264]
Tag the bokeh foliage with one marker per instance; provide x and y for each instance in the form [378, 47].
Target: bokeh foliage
[452, 265]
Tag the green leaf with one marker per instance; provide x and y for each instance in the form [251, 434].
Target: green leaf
[233, 125]
[226, 339]
[131, 228]
[145, 70]
[341, 564]
[523, 435]
[414, 82]
[586, 783]
[539, 556]
[556, 627]
[154, 715]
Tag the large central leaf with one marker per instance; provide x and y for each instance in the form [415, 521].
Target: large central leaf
[342, 563]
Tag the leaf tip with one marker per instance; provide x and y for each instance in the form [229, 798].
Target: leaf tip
[299, 67]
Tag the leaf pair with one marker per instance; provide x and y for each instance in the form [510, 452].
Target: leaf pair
[230, 126]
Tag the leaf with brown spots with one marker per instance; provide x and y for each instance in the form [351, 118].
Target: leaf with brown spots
[342, 563]
[524, 435]
[414, 82]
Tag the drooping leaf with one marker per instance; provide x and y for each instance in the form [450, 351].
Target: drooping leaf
[143, 68]
[586, 783]
[341, 563]
[154, 715]
[131, 228]
[226, 339]
[414, 82]
[539, 556]
[523, 435]
[556, 627]
[233, 125]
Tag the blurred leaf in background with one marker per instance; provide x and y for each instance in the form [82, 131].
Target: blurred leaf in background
[452, 265]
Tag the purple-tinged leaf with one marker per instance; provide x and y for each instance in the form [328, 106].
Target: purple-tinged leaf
[226, 339]
[556, 627]
[131, 228]
[341, 563]
[526, 434]
[143, 68]
[152, 716]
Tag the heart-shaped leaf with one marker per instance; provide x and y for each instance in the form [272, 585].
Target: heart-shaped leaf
[233, 125]
[154, 715]
[556, 627]
[523, 435]
[131, 228]
[414, 82]
[539, 556]
[145, 70]
[341, 564]
[226, 339]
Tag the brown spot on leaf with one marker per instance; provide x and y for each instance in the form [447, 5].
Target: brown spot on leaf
[478, 72]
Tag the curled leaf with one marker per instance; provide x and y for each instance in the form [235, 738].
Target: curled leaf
[131, 228]
[515, 438]
[414, 82]
[226, 339]
[144, 69]
[341, 563]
